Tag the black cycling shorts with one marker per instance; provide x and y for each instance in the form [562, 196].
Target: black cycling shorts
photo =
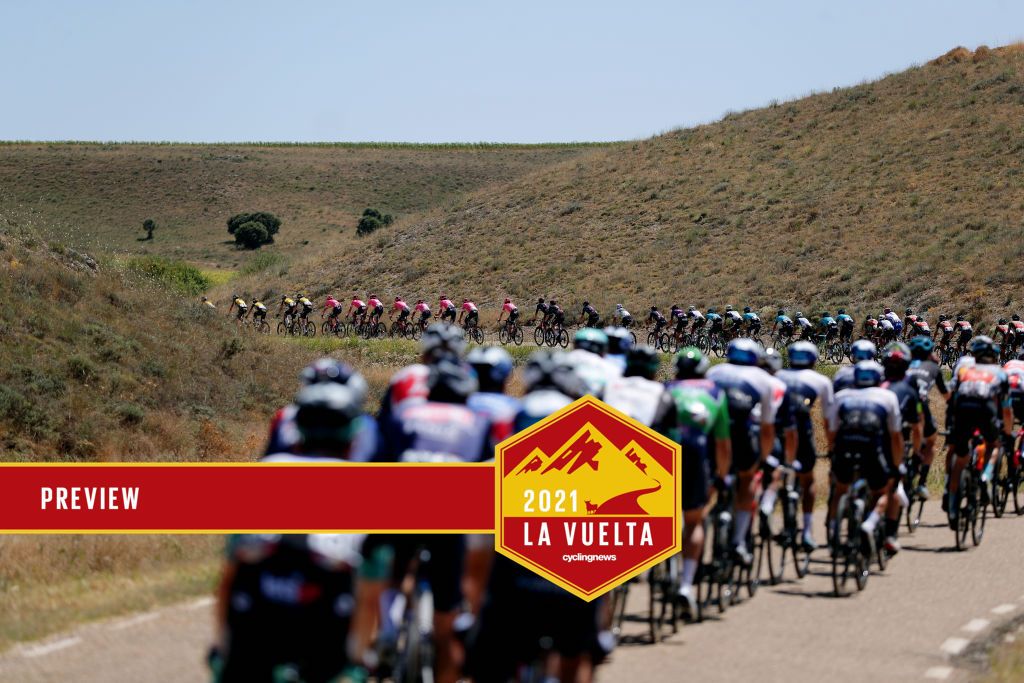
[696, 475]
[378, 311]
[746, 448]
[930, 428]
[513, 316]
[403, 314]
[805, 453]
[593, 319]
[1017, 404]
[971, 417]
[874, 466]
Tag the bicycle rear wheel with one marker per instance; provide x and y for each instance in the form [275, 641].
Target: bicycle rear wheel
[963, 508]
[503, 336]
[538, 336]
[1000, 484]
[563, 338]
[518, 336]
[980, 513]
[771, 552]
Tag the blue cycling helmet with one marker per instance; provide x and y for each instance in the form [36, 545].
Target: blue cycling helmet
[921, 346]
[743, 351]
[802, 354]
[493, 365]
[867, 373]
[862, 349]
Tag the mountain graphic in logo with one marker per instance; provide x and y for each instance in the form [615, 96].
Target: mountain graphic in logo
[611, 481]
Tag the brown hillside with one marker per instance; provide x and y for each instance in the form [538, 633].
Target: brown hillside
[96, 196]
[908, 190]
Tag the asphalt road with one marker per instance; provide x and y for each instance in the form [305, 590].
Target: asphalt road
[917, 621]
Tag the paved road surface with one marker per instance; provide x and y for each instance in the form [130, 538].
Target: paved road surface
[905, 626]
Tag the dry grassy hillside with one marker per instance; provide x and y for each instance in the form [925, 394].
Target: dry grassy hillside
[96, 196]
[908, 190]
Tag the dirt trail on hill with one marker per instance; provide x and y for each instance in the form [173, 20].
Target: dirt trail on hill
[909, 624]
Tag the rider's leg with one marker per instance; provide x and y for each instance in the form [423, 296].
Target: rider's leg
[693, 545]
[746, 491]
[806, 480]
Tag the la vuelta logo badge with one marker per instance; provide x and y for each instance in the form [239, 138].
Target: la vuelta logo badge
[588, 498]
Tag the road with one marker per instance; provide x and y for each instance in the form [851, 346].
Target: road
[917, 621]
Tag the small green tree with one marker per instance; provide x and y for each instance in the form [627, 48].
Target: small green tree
[252, 235]
[149, 225]
[371, 220]
[268, 220]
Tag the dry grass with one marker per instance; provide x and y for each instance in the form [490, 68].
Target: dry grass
[908, 190]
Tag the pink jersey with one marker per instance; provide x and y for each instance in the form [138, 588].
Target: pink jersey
[358, 303]
[447, 303]
[422, 307]
[509, 307]
[375, 303]
[331, 302]
[469, 307]
[401, 306]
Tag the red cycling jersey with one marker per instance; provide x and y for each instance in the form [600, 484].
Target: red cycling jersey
[509, 307]
[358, 303]
[446, 304]
[401, 306]
[375, 303]
[469, 307]
[422, 307]
[331, 303]
[963, 325]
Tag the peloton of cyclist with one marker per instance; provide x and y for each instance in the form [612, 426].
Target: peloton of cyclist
[472, 315]
[590, 314]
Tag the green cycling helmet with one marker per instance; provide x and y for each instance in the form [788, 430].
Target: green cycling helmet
[591, 339]
[690, 363]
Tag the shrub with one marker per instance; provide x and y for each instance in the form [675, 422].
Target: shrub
[371, 220]
[265, 260]
[180, 276]
[81, 368]
[149, 225]
[251, 235]
[130, 413]
[268, 220]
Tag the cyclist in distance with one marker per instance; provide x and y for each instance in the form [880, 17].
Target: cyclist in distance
[924, 367]
[556, 316]
[447, 309]
[622, 317]
[827, 326]
[943, 334]
[870, 328]
[753, 398]
[305, 307]
[808, 387]
[887, 331]
[699, 422]
[590, 314]
[751, 322]
[732, 321]
[376, 307]
[332, 306]
[697, 318]
[541, 310]
[1002, 335]
[259, 312]
[356, 310]
[472, 315]
[239, 304]
[399, 306]
[423, 309]
[714, 321]
[208, 304]
[1015, 377]
[980, 402]
[1017, 326]
[286, 309]
[783, 323]
[510, 310]
[963, 327]
[891, 316]
[287, 606]
[806, 328]
[678, 317]
[909, 320]
[655, 316]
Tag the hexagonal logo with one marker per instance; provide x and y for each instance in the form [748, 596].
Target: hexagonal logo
[588, 498]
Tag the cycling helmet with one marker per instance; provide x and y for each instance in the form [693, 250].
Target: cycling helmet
[909, 311]
[690, 363]
[862, 350]
[465, 301]
[642, 361]
[234, 296]
[329, 370]
[283, 297]
[959, 318]
[1002, 321]
[444, 296]
[943, 317]
[692, 308]
[373, 296]
[802, 354]
[984, 349]
[782, 311]
[711, 310]
[618, 307]
[746, 309]
[1015, 316]
[771, 361]
[824, 314]
[728, 308]
[896, 358]
[921, 346]
[743, 351]
[886, 310]
[326, 415]
[398, 298]
[508, 300]
[441, 340]
[619, 340]
[867, 373]
[585, 304]
[540, 300]
[841, 311]
[546, 370]
[450, 381]
[590, 339]
[492, 364]
[654, 308]
[798, 314]
[419, 301]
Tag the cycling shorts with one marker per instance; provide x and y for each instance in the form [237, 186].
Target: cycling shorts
[513, 316]
[378, 311]
[970, 417]
[425, 315]
[805, 453]
[874, 466]
[930, 428]
[593, 319]
[696, 479]
[744, 453]
[627, 321]
[403, 314]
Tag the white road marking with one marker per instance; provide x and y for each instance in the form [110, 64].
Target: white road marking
[201, 603]
[954, 646]
[938, 673]
[133, 621]
[975, 625]
[47, 648]
[1004, 609]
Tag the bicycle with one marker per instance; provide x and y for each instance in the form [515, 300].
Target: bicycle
[970, 500]
[413, 610]
[474, 333]
[851, 547]
[776, 545]
[287, 325]
[715, 573]
[510, 333]
[915, 503]
[662, 605]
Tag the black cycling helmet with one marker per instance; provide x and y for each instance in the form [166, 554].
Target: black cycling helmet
[326, 416]
[546, 370]
[585, 304]
[1015, 316]
[984, 349]
[493, 365]
[450, 381]
[442, 340]
[771, 361]
[909, 311]
[398, 298]
[642, 361]
[942, 317]
[690, 363]
[619, 340]
[841, 311]
[782, 311]
[746, 309]
[959, 317]
[728, 307]
[540, 299]
[654, 308]
[824, 314]
[896, 359]
[1002, 321]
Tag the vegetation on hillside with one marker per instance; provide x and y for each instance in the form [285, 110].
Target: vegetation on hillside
[904, 191]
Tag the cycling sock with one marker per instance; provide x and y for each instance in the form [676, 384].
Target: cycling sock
[688, 572]
[808, 523]
[739, 532]
[871, 522]
[768, 501]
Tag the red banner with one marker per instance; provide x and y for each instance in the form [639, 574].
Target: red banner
[252, 497]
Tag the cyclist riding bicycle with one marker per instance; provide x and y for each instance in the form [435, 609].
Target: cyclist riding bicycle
[555, 316]
[944, 331]
[1017, 325]
[208, 304]
[541, 310]
[259, 311]
[696, 317]
[980, 403]
[1015, 379]
[655, 316]
[622, 316]
[753, 398]
[470, 312]
[715, 322]
[401, 308]
[333, 305]
[783, 323]
[590, 314]
[870, 328]
[963, 327]
[809, 387]
[924, 367]
[286, 309]
[238, 302]
[1002, 335]
[376, 307]
[356, 310]
[806, 328]
[751, 322]
[827, 326]
[865, 429]
[846, 326]
[891, 316]
[305, 307]
[509, 309]
[887, 331]
[447, 309]
[909, 319]
[732, 320]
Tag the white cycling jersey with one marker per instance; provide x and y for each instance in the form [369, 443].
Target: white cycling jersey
[811, 385]
[763, 391]
[594, 370]
[886, 324]
[875, 396]
[642, 399]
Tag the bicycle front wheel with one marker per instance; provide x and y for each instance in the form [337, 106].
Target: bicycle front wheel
[538, 336]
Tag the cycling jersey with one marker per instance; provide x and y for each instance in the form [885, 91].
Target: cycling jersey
[594, 370]
[714, 318]
[644, 400]
[753, 398]
[784, 321]
[375, 304]
[259, 308]
[306, 303]
[537, 405]
[469, 307]
[845, 320]
[510, 308]
[401, 306]
[428, 431]
[964, 326]
[699, 415]
[928, 375]
[806, 387]
[241, 304]
[541, 308]
[358, 304]
[286, 438]
[408, 385]
[980, 392]
[332, 303]
[804, 323]
[863, 420]
[893, 318]
[908, 396]
[751, 318]
[657, 318]
[696, 316]
[1015, 386]
[591, 313]
[843, 379]
[446, 305]
[886, 325]
[623, 313]
[500, 410]
[733, 316]
[827, 322]
[946, 328]
[1018, 327]
[422, 307]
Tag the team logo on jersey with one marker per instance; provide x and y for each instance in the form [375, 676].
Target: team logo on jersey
[587, 498]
